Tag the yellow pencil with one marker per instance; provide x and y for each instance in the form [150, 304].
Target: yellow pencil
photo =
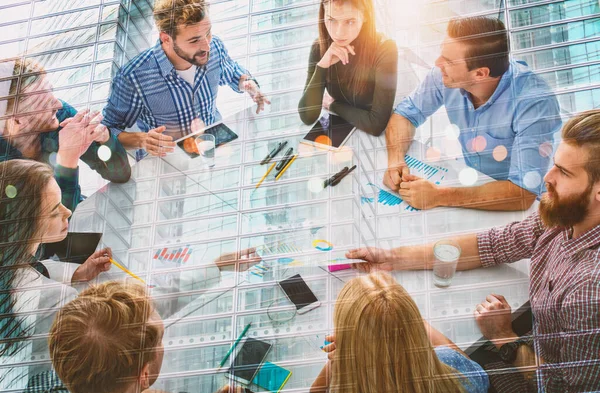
[286, 167]
[117, 264]
[266, 174]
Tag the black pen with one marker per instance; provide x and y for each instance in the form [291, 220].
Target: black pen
[273, 153]
[334, 177]
[339, 179]
[286, 157]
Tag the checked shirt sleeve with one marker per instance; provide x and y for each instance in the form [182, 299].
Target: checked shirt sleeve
[510, 243]
[231, 71]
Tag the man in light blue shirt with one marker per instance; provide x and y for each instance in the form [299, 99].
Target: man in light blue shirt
[170, 90]
[504, 114]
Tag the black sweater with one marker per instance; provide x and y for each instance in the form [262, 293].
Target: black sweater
[369, 111]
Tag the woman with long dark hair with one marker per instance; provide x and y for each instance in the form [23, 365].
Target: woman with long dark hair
[31, 291]
[355, 64]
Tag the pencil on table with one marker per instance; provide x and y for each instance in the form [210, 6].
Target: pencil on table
[117, 264]
[266, 174]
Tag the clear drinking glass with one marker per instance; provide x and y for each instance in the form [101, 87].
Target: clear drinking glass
[446, 253]
[206, 148]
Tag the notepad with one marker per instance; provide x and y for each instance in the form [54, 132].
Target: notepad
[272, 377]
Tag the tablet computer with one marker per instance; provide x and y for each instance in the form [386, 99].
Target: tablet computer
[222, 133]
[77, 247]
[329, 132]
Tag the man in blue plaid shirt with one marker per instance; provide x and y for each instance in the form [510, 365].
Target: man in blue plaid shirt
[172, 87]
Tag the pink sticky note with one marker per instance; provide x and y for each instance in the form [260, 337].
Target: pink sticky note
[335, 268]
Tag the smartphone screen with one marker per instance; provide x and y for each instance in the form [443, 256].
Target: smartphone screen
[298, 292]
[249, 359]
[331, 130]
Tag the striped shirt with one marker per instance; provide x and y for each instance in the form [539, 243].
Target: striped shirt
[148, 91]
[564, 291]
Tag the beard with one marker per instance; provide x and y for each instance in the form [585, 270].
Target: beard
[193, 59]
[564, 212]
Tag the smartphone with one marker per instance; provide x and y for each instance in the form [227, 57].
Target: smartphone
[248, 360]
[300, 294]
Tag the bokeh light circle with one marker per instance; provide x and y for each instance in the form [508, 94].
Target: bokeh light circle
[468, 176]
[500, 153]
[10, 191]
[545, 149]
[323, 140]
[452, 131]
[433, 154]
[315, 185]
[52, 158]
[479, 144]
[104, 153]
[532, 180]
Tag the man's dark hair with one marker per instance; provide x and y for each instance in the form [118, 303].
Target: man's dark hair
[486, 40]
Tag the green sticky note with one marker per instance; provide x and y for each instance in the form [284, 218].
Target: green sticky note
[272, 377]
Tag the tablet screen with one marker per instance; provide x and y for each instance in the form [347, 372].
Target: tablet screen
[330, 130]
[77, 247]
[222, 133]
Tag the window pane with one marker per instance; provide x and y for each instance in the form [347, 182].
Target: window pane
[556, 34]
[279, 39]
[572, 54]
[273, 20]
[553, 12]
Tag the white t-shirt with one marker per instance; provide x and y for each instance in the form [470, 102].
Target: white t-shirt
[188, 75]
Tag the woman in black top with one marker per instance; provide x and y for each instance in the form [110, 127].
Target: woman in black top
[355, 64]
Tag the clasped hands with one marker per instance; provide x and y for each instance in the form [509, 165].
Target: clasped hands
[417, 192]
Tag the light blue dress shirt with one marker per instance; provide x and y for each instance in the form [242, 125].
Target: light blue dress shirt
[522, 115]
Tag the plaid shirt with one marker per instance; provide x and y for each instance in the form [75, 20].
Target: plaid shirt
[565, 298]
[149, 91]
[46, 382]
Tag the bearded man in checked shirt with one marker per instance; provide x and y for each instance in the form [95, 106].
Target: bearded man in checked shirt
[563, 242]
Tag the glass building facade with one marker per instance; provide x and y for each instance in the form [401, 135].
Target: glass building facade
[82, 44]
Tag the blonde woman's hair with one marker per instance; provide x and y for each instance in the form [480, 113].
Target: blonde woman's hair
[100, 341]
[381, 343]
[168, 14]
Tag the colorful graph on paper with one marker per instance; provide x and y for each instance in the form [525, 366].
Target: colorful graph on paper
[433, 173]
[176, 255]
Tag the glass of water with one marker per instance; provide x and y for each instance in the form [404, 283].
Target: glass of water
[206, 148]
[446, 253]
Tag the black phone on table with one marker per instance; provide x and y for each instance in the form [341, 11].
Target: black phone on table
[299, 293]
[248, 360]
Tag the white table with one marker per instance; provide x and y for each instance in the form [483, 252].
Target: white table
[175, 202]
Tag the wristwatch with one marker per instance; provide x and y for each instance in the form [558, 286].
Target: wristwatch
[508, 352]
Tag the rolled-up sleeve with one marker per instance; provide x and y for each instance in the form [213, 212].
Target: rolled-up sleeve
[510, 243]
[536, 120]
[124, 105]
[424, 101]
[231, 71]
[68, 181]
